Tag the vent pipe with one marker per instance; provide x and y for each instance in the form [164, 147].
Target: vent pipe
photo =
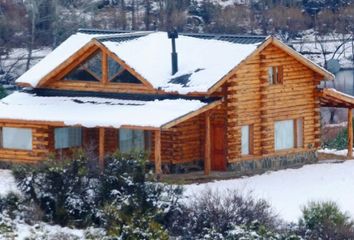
[173, 35]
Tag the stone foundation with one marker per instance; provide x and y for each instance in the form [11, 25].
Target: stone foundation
[294, 160]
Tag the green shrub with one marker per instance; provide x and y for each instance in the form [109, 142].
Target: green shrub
[3, 92]
[124, 198]
[324, 220]
[340, 142]
[63, 190]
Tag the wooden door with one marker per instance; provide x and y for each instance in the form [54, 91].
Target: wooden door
[218, 162]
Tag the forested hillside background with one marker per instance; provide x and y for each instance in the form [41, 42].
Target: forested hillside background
[43, 24]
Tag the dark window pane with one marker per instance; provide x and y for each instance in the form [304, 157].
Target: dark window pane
[90, 70]
[113, 68]
[81, 75]
[94, 64]
[125, 77]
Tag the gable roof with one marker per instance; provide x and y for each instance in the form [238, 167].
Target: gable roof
[204, 60]
[201, 61]
[272, 40]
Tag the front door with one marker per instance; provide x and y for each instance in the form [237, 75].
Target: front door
[218, 162]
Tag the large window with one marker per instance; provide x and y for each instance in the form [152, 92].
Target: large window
[288, 134]
[17, 138]
[133, 140]
[246, 140]
[67, 137]
[92, 70]
[275, 75]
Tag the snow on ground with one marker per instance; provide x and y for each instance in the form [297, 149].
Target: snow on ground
[334, 151]
[7, 182]
[288, 190]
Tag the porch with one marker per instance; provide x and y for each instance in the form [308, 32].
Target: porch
[34, 127]
[330, 97]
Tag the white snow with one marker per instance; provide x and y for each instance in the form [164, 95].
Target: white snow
[55, 58]
[95, 112]
[7, 182]
[206, 60]
[343, 152]
[288, 190]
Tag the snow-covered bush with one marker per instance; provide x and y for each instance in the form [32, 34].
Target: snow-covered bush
[134, 200]
[124, 198]
[210, 215]
[324, 220]
[63, 190]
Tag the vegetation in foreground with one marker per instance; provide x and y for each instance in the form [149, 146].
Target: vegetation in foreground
[125, 202]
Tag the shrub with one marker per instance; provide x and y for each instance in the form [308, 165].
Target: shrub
[324, 220]
[209, 214]
[130, 196]
[339, 142]
[64, 190]
[3, 92]
[124, 198]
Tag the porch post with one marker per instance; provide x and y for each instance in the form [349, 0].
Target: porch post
[207, 153]
[101, 147]
[158, 169]
[350, 132]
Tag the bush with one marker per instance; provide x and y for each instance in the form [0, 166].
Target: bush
[210, 214]
[123, 198]
[324, 220]
[340, 142]
[130, 195]
[63, 190]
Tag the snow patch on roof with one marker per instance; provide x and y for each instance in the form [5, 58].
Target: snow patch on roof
[95, 112]
[206, 61]
[54, 59]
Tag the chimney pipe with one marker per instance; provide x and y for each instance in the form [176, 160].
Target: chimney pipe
[173, 35]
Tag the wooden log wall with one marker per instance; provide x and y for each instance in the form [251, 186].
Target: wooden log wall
[252, 101]
[40, 145]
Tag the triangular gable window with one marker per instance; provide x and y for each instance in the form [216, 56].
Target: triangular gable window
[90, 70]
[117, 74]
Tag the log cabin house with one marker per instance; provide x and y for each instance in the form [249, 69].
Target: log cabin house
[228, 102]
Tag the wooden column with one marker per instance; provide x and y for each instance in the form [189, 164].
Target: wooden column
[158, 169]
[350, 132]
[101, 145]
[207, 154]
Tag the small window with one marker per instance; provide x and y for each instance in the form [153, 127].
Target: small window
[133, 140]
[67, 137]
[17, 138]
[275, 75]
[246, 140]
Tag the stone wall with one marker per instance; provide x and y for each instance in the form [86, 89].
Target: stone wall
[250, 167]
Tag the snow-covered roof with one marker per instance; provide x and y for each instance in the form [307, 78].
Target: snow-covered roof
[95, 112]
[202, 62]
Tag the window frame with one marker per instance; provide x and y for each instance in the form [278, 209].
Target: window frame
[146, 137]
[275, 75]
[296, 130]
[68, 145]
[105, 77]
[30, 130]
[250, 140]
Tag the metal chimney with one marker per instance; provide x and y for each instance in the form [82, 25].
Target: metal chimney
[173, 35]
